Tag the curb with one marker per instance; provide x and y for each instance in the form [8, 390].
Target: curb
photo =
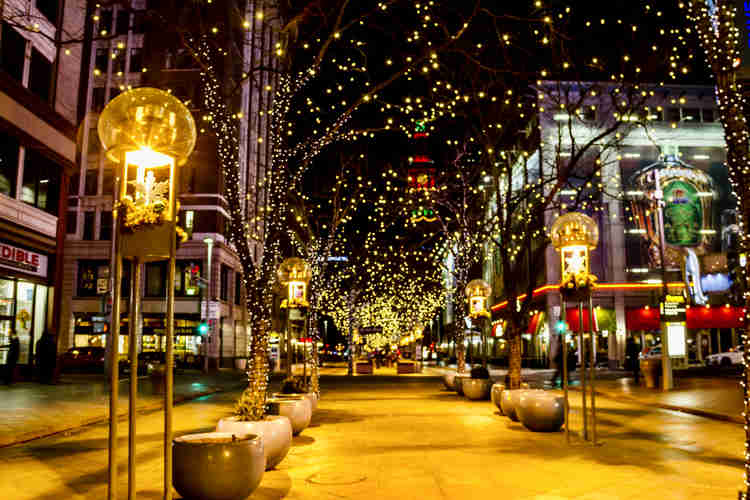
[723, 417]
[51, 431]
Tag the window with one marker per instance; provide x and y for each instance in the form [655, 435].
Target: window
[40, 75]
[71, 222]
[105, 225]
[101, 60]
[8, 165]
[88, 225]
[224, 283]
[118, 62]
[105, 21]
[94, 144]
[123, 22]
[691, 115]
[139, 21]
[12, 52]
[97, 99]
[40, 182]
[136, 62]
[238, 288]
[156, 279]
[108, 181]
[672, 114]
[88, 272]
[186, 274]
[708, 116]
[75, 179]
[49, 9]
[92, 176]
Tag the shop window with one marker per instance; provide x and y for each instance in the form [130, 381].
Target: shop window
[40, 75]
[40, 182]
[105, 225]
[88, 225]
[186, 278]
[224, 283]
[12, 52]
[136, 61]
[101, 60]
[156, 279]
[8, 165]
[97, 99]
[237, 288]
[123, 22]
[92, 178]
[71, 222]
[49, 9]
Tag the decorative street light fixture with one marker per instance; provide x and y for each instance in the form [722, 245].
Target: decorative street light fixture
[574, 235]
[477, 292]
[294, 274]
[149, 133]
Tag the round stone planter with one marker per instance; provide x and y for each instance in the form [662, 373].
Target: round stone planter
[275, 432]
[496, 393]
[310, 396]
[449, 380]
[297, 409]
[540, 411]
[509, 402]
[458, 382]
[217, 465]
[476, 389]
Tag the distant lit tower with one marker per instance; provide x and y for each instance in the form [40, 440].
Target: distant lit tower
[421, 176]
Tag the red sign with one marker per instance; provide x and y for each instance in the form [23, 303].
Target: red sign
[20, 259]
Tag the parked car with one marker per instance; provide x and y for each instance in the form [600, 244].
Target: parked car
[653, 352]
[89, 359]
[729, 358]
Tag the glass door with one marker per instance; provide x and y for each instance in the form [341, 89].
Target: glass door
[7, 314]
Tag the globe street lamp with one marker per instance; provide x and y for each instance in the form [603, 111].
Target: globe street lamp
[477, 292]
[574, 235]
[294, 274]
[149, 133]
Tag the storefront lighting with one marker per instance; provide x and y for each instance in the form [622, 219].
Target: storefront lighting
[561, 117]
[635, 231]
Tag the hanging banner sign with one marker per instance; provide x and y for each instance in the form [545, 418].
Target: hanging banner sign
[19, 259]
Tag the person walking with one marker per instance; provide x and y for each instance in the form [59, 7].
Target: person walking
[632, 363]
[558, 360]
[46, 358]
[14, 349]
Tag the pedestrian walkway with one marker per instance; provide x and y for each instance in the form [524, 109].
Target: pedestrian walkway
[407, 439]
[31, 410]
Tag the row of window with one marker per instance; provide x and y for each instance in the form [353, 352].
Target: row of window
[103, 55]
[14, 62]
[187, 222]
[670, 114]
[40, 183]
[121, 20]
[90, 272]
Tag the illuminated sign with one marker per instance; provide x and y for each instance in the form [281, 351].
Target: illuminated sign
[19, 259]
[676, 339]
[673, 308]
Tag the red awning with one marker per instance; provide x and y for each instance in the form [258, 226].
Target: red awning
[642, 319]
[571, 317]
[534, 323]
[499, 327]
[698, 317]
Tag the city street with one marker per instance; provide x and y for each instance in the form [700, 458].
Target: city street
[406, 437]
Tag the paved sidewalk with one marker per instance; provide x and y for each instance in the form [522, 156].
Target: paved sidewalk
[31, 410]
[404, 438]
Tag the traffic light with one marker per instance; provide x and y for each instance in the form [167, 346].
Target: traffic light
[203, 328]
[560, 326]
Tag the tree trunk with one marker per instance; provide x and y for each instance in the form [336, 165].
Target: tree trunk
[313, 335]
[255, 394]
[514, 365]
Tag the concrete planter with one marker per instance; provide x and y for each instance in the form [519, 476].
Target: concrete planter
[476, 389]
[297, 409]
[275, 432]
[496, 393]
[310, 396]
[540, 411]
[458, 382]
[217, 465]
[509, 402]
[449, 380]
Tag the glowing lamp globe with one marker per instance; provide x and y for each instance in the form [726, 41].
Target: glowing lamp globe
[149, 120]
[574, 235]
[294, 273]
[477, 291]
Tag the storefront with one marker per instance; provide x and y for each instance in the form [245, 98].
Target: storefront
[186, 341]
[25, 300]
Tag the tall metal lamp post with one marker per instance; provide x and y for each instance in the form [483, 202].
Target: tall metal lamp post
[295, 274]
[574, 235]
[477, 292]
[149, 133]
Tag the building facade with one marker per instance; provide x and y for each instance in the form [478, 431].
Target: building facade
[680, 152]
[126, 50]
[38, 96]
